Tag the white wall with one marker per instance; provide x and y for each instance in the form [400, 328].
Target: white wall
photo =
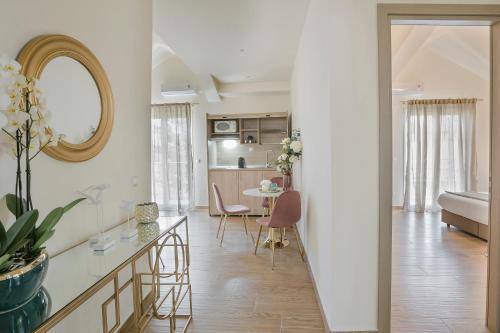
[443, 78]
[119, 33]
[342, 234]
[124, 50]
[174, 71]
[311, 112]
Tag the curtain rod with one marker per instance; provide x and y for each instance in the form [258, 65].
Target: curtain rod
[443, 101]
[161, 104]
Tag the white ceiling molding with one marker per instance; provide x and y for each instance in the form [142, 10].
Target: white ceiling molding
[255, 89]
[210, 87]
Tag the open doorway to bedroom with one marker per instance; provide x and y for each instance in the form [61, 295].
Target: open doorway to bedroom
[441, 170]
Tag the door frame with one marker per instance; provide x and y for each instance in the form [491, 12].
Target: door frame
[450, 12]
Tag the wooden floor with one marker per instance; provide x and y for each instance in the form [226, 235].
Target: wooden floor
[438, 276]
[235, 291]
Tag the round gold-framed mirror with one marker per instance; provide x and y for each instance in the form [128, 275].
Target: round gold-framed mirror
[79, 94]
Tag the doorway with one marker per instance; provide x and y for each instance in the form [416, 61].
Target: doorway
[428, 14]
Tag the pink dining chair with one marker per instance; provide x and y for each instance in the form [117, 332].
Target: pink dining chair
[286, 213]
[229, 210]
[265, 201]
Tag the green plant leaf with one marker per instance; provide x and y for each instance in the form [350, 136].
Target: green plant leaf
[5, 262]
[72, 204]
[49, 222]
[13, 202]
[42, 239]
[17, 246]
[3, 235]
[4, 258]
[20, 229]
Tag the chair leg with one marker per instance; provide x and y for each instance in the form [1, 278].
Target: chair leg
[248, 232]
[244, 218]
[220, 223]
[223, 230]
[273, 245]
[301, 251]
[257, 242]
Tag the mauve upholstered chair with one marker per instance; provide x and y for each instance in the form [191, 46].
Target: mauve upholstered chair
[265, 201]
[228, 210]
[286, 213]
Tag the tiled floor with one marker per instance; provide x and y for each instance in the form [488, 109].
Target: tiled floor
[438, 277]
[235, 291]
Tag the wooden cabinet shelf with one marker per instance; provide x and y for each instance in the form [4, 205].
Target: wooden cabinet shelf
[274, 131]
[263, 128]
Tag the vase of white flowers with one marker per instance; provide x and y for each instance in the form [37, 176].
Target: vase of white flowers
[290, 154]
[24, 133]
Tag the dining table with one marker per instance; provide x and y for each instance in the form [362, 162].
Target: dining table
[279, 238]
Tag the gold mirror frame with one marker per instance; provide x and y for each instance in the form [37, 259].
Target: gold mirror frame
[36, 54]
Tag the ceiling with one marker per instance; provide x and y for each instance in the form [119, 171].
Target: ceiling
[465, 46]
[232, 40]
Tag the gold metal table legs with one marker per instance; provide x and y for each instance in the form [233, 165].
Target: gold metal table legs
[167, 286]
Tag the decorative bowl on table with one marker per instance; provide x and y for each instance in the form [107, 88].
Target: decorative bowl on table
[148, 231]
[270, 190]
[146, 212]
[265, 185]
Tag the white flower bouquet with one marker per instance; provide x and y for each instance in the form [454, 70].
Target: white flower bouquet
[25, 131]
[290, 153]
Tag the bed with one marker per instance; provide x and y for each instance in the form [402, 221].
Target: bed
[468, 211]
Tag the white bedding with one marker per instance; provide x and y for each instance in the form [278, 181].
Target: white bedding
[473, 209]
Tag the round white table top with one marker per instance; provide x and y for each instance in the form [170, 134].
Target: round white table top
[256, 192]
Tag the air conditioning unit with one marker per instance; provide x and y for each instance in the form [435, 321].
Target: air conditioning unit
[178, 90]
[408, 89]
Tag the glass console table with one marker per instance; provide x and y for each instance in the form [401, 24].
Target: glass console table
[159, 261]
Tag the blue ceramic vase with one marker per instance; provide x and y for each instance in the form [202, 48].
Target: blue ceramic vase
[23, 303]
[18, 286]
[27, 317]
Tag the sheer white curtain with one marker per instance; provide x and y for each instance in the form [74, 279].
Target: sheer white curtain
[440, 151]
[171, 154]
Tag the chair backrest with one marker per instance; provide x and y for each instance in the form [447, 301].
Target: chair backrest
[278, 181]
[286, 211]
[218, 199]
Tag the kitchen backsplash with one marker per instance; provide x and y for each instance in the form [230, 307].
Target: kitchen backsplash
[226, 153]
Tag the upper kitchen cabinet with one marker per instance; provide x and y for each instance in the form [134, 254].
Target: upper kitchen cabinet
[251, 128]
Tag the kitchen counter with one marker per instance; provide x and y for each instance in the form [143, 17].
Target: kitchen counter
[232, 181]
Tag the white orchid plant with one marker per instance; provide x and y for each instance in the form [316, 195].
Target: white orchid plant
[290, 153]
[25, 132]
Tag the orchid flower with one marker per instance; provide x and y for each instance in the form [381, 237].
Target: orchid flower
[12, 67]
[16, 121]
